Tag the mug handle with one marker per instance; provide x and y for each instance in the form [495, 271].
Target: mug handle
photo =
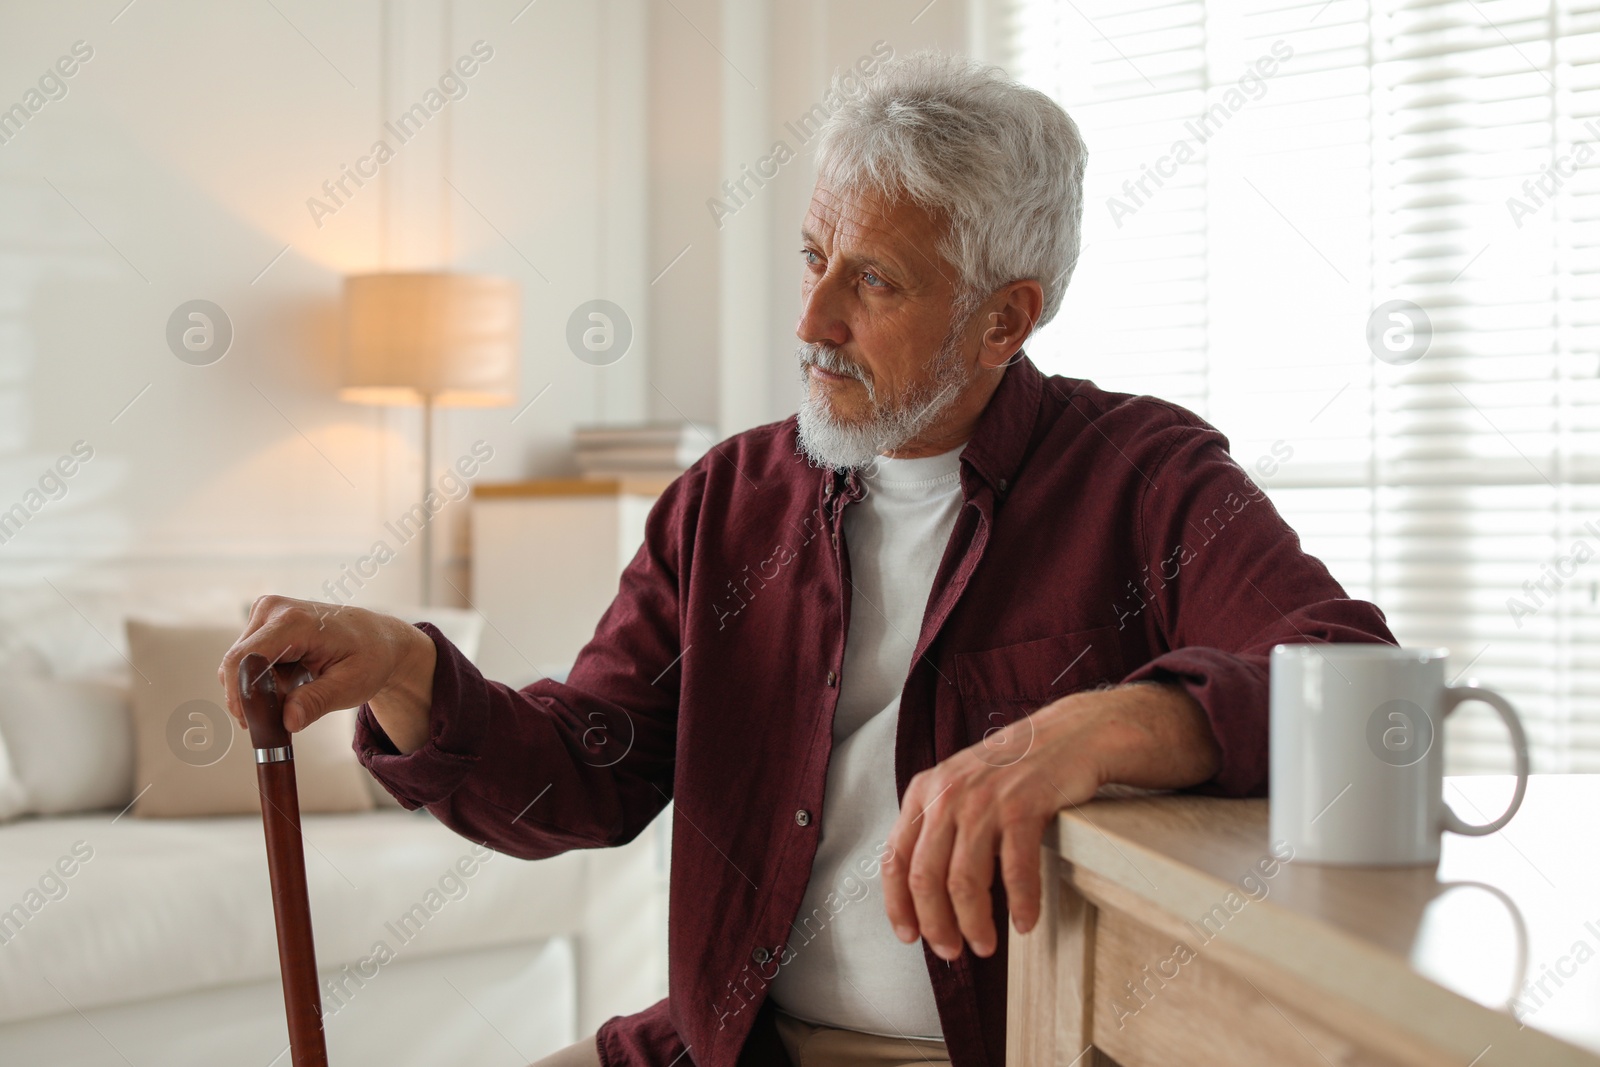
[1451, 698]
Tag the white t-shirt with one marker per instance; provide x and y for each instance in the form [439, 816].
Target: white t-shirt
[848, 970]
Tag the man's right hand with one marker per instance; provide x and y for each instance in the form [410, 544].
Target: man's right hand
[354, 656]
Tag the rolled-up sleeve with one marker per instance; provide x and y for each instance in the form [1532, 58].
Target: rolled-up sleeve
[1227, 579]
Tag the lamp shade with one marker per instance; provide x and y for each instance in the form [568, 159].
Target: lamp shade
[414, 337]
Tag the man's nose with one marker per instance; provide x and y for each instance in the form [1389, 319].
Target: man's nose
[820, 322]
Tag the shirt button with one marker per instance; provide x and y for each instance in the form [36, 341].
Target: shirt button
[833, 679]
[835, 540]
[761, 955]
[802, 817]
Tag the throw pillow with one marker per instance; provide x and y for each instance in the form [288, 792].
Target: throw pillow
[192, 756]
[71, 743]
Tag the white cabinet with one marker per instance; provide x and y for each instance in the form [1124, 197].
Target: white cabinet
[546, 557]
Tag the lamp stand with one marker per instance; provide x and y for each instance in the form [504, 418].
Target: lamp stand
[427, 478]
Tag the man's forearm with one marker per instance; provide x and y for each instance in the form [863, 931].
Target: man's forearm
[402, 706]
[1149, 734]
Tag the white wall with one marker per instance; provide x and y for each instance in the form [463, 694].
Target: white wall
[179, 165]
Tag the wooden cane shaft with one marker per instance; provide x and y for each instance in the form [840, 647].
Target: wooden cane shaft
[297, 958]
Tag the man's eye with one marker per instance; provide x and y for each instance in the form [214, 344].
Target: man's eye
[811, 258]
[873, 280]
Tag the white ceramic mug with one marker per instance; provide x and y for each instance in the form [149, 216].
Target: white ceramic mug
[1357, 773]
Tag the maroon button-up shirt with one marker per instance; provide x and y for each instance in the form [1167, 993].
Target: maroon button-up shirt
[1103, 538]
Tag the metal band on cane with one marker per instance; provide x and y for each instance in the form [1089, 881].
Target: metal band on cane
[274, 755]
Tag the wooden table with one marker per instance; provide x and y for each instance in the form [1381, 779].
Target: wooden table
[1173, 935]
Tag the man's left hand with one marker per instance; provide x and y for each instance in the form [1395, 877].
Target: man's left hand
[998, 795]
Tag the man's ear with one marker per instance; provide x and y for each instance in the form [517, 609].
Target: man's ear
[1008, 319]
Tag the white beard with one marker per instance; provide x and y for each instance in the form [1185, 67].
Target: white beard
[892, 423]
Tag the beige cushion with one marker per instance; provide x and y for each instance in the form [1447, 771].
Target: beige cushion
[192, 757]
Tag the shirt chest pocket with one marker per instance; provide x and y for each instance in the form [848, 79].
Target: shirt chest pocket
[1000, 685]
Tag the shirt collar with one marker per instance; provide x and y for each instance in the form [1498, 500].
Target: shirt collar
[1000, 439]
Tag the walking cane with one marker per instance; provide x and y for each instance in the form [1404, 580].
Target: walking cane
[286, 859]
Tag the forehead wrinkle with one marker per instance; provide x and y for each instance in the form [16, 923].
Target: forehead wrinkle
[849, 223]
[921, 252]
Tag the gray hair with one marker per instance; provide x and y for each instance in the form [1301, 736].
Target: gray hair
[1002, 163]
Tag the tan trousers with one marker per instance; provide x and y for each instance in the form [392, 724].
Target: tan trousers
[823, 1046]
[808, 1046]
[583, 1054]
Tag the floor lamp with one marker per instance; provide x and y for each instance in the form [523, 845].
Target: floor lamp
[434, 339]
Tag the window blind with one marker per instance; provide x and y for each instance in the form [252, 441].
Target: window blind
[1359, 237]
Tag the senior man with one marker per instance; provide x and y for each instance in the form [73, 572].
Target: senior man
[869, 651]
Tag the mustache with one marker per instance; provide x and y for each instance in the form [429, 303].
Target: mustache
[829, 359]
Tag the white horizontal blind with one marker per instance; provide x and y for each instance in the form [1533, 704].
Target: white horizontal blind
[1263, 175]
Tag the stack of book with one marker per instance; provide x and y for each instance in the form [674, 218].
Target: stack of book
[646, 450]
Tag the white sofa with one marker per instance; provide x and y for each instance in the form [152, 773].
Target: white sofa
[159, 946]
